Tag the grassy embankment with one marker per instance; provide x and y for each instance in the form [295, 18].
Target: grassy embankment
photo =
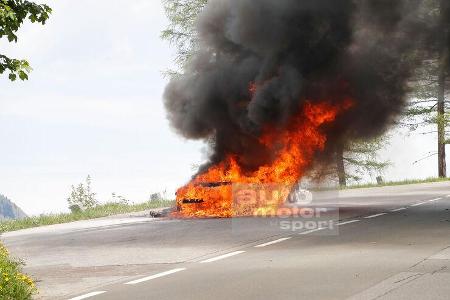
[14, 285]
[99, 211]
[393, 183]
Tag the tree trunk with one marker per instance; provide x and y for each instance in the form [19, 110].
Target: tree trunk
[443, 66]
[442, 166]
[340, 166]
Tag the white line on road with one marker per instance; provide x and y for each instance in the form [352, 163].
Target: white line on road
[273, 242]
[418, 204]
[347, 222]
[311, 231]
[433, 200]
[88, 295]
[222, 257]
[155, 276]
[375, 216]
[399, 209]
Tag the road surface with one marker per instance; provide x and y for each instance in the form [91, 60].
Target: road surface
[388, 243]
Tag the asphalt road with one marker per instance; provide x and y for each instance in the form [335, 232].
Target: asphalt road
[391, 243]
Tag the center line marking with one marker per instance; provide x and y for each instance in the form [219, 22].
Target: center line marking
[155, 276]
[88, 295]
[347, 222]
[222, 257]
[418, 204]
[273, 242]
[399, 209]
[433, 200]
[374, 216]
[311, 231]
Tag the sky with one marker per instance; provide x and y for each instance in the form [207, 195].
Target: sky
[93, 106]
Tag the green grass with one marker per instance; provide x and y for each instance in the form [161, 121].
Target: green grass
[14, 285]
[99, 211]
[393, 183]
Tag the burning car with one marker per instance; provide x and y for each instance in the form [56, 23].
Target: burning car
[197, 199]
[225, 199]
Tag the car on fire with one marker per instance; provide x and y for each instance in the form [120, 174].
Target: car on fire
[239, 199]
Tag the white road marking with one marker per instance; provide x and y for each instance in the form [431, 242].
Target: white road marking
[273, 242]
[448, 195]
[418, 204]
[88, 295]
[347, 222]
[222, 257]
[386, 286]
[155, 276]
[375, 216]
[433, 200]
[399, 209]
[444, 254]
[311, 231]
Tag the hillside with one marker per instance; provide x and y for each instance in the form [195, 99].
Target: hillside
[8, 210]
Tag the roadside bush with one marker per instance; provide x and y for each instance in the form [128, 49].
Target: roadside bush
[81, 197]
[119, 199]
[14, 285]
[155, 197]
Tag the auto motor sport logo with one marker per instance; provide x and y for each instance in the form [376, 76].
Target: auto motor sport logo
[292, 207]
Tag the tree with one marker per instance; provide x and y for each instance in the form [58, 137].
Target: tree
[155, 197]
[431, 84]
[359, 158]
[12, 15]
[82, 196]
[181, 31]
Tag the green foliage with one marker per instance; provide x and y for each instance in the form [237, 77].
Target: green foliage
[12, 15]
[82, 197]
[155, 197]
[430, 87]
[119, 199]
[14, 285]
[181, 32]
[422, 109]
[395, 183]
[361, 157]
[16, 67]
[358, 159]
[99, 211]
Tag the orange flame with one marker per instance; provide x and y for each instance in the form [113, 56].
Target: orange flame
[210, 193]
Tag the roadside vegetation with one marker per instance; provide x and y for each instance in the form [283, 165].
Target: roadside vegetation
[83, 205]
[393, 183]
[99, 211]
[14, 285]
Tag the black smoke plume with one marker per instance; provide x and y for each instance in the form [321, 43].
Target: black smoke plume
[294, 51]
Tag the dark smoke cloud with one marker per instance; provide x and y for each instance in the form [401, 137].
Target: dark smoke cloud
[295, 50]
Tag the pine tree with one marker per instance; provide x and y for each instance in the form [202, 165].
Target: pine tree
[430, 86]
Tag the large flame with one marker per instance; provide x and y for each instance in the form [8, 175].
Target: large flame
[210, 194]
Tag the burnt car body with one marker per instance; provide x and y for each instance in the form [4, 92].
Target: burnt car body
[207, 188]
[218, 196]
